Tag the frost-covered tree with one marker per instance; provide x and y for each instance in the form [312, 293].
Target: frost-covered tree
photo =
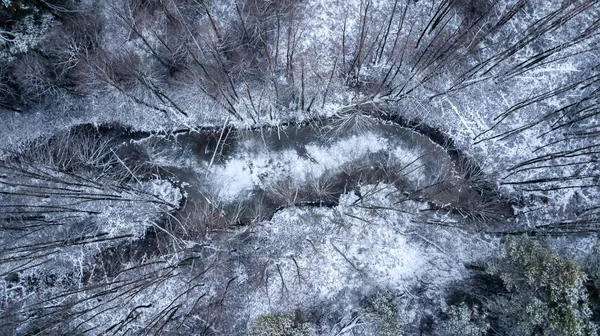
[281, 325]
[546, 292]
[380, 310]
[23, 23]
[461, 322]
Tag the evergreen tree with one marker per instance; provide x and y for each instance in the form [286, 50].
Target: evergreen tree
[545, 292]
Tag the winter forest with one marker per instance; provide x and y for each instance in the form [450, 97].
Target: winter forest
[300, 167]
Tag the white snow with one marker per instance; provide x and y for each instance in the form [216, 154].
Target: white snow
[351, 247]
[248, 170]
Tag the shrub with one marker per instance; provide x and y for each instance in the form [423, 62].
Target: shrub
[461, 322]
[285, 192]
[281, 325]
[22, 27]
[380, 309]
[33, 79]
